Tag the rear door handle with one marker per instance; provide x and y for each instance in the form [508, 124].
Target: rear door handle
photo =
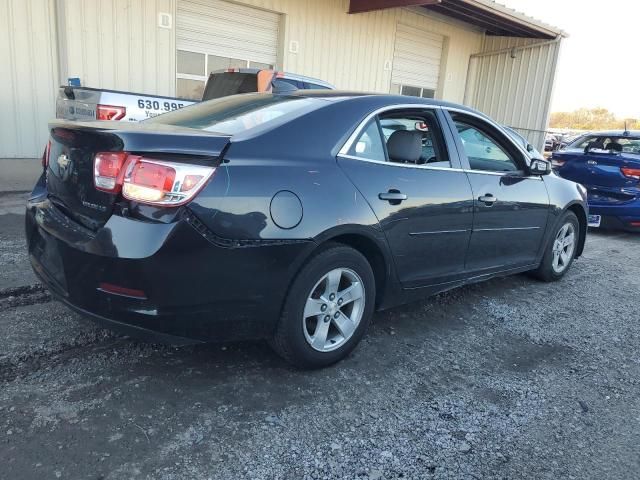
[394, 197]
[488, 199]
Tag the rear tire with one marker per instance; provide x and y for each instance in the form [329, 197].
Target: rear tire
[327, 310]
[561, 250]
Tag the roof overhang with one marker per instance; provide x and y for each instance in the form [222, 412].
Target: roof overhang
[493, 18]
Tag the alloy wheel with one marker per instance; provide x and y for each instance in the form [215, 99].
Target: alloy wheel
[563, 247]
[333, 309]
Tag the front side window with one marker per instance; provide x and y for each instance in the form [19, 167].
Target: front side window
[483, 152]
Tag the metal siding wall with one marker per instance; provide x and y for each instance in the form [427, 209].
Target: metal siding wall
[28, 79]
[350, 51]
[117, 44]
[515, 91]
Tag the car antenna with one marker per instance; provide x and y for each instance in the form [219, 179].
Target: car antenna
[282, 88]
[626, 132]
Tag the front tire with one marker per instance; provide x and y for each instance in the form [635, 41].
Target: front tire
[327, 310]
[561, 251]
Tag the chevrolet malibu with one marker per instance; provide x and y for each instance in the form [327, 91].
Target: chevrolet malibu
[290, 217]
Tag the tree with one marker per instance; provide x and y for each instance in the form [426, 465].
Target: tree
[591, 119]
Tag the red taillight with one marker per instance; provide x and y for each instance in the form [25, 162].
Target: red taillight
[149, 181]
[153, 175]
[122, 291]
[110, 112]
[163, 183]
[45, 155]
[631, 172]
[107, 169]
[635, 224]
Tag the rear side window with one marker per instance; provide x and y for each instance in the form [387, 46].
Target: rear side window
[422, 125]
[369, 144]
[238, 113]
[406, 137]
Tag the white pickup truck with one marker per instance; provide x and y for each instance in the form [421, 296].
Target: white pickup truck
[82, 103]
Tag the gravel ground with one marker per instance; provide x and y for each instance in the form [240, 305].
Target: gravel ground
[507, 379]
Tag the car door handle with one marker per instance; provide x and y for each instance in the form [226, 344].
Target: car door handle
[394, 197]
[488, 199]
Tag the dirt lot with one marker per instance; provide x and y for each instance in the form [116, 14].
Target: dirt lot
[508, 379]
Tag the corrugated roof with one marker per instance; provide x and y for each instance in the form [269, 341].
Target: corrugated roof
[489, 15]
[495, 18]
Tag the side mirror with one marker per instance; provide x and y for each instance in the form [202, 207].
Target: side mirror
[539, 166]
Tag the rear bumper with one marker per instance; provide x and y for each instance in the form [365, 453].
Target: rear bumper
[620, 217]
[194, 290]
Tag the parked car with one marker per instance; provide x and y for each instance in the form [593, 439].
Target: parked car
[524, 143]
[567, 140]
[83, 103]
[290, 217]
[608, 165]
[551, 142]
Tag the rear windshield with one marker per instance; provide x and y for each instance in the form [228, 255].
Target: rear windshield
[230, 83]
[605, 142]
[238, 113]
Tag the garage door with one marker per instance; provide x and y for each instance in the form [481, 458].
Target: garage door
[416, 62]
[215, 34]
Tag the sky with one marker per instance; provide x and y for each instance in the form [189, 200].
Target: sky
[599, 63]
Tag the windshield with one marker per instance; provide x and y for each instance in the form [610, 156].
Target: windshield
[608, 142]
[237, 113]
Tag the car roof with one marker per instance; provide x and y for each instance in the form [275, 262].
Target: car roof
[382, 99]
[615, 133]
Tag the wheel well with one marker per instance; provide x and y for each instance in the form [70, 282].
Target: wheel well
[582, 219]
[372, 253]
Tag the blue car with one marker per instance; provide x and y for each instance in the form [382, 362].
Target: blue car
[608, 165]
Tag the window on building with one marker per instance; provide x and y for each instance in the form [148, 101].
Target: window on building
[193, 69]
[413, 91]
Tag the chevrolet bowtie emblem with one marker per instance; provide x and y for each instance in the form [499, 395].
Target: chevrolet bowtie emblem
[63, 161]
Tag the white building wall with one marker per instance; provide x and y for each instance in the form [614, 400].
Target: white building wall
[351, 51]
[118, 44]
[512, 81]
[28, 77]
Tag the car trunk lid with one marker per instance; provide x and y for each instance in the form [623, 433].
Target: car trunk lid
[606, 175]
[73, 146]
